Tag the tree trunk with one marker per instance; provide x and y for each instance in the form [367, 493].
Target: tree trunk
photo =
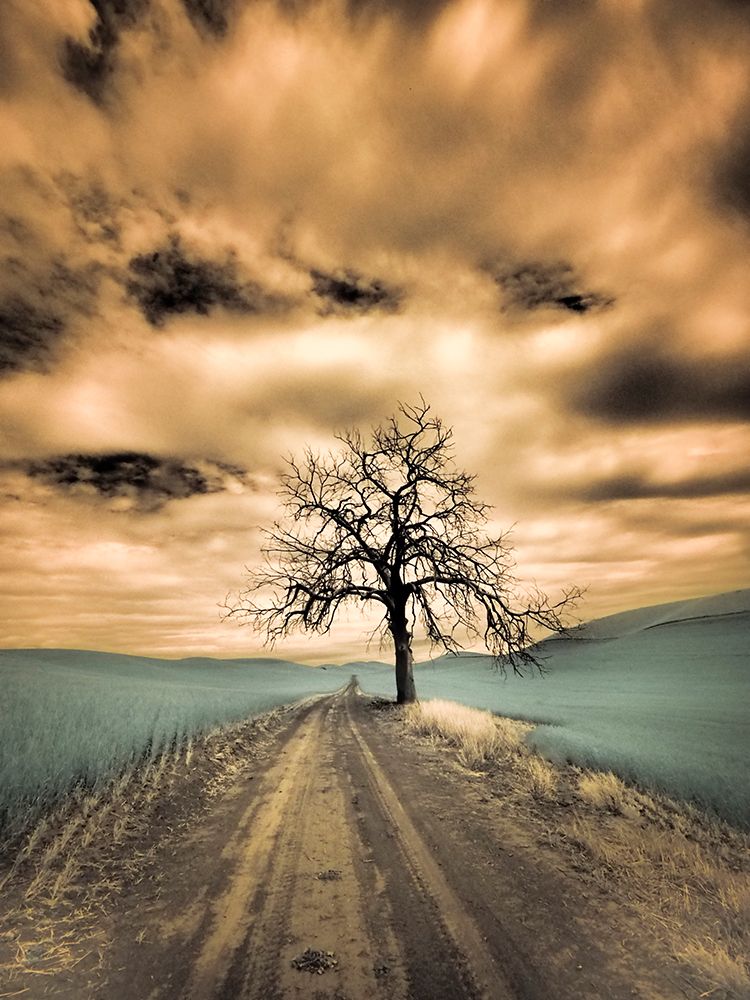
[405, 690]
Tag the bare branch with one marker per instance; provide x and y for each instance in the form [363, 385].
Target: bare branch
[392, 521]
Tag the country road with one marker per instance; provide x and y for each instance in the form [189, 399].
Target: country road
[329, 852]
[335, 863]
[390, 864]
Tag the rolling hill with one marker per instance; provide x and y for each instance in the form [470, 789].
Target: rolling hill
[660, 695]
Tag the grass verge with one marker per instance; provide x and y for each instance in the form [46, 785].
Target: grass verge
[59, 881]
[681, 871]
[477, 736]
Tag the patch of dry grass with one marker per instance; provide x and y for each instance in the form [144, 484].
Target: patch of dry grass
[603, 790]
[478, 736]
[722, 974]
[540, 777]
[688, 872]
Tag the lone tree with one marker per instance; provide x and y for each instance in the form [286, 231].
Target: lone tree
[392, 522]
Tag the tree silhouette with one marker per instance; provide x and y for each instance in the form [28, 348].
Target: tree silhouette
[392, 522]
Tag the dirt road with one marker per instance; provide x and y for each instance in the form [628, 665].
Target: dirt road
[333, 863]
[390, 864]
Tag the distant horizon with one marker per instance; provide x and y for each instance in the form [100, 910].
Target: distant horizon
[263, 653]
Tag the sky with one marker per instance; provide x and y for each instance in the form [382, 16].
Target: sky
[233, 229]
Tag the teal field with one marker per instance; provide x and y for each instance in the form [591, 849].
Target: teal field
[659, 695]
[659, 701]
[75, 716]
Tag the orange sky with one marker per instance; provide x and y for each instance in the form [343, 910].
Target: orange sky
[230, 229]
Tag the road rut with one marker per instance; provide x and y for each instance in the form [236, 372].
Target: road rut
[328, 859]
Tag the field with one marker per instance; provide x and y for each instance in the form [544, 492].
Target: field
[659, 701]
[72, 716]
[658, 695]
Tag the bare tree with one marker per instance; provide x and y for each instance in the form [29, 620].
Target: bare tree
[392, 522]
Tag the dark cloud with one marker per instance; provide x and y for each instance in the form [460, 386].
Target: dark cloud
[28, 335]
[540, 286]
[211, 16]
[671, 518]
[147, 480]
[89, 66]
[15, 228]
[645, 384]
[707, 16]
[635, 487]
[732, 173]
[32, 322]
[173, 280]
[345, 291]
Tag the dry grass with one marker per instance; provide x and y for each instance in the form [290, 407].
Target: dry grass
[685, 871]
[478, 736]
[481, 737]
[722, 974]
[540, 777]
[681, 872]
[603, 790]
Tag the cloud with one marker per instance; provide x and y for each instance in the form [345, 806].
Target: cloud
[346, 291]
[89, 65]
[556, 286]
[212, 16]
[645, 382]
[173, 280]
[28, 336]
[94, 211]
[146, 481]
[417, 13]
[731, 174]
[635, 487]
[41, 296]
[301, 194]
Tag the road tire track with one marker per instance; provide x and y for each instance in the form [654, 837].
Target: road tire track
[237, 908]
[452, 959]
[335, 812]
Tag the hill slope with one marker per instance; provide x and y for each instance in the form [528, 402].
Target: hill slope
[660, 695]
[628, 622]
[76, 715]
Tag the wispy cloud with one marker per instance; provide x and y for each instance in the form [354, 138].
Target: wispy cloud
[646, 382]
[27, 335]
[346, 291]
[89, 65]
[551, 286]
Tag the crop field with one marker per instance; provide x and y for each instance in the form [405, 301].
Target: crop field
[658, 701]
[665, 705]
[71, 716]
